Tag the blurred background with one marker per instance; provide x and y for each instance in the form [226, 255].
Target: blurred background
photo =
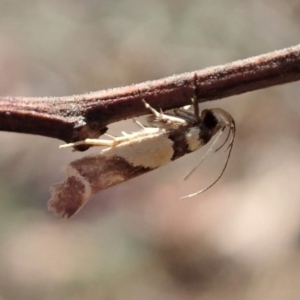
[138, 240]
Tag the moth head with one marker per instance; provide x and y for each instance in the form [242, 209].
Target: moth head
[211, 122]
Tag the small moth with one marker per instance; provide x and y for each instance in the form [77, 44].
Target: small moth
[130, 155]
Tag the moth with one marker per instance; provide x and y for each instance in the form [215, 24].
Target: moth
[168, 137]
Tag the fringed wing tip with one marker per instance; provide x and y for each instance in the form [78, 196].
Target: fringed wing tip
[56, 204]
[67, 197]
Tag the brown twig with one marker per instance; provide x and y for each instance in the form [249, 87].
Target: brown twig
[79, 117]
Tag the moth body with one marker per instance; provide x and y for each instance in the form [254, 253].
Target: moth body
[134, 154]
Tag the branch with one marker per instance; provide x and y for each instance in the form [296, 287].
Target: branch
[79, 117]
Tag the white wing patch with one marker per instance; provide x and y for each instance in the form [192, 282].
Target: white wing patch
[192, 138]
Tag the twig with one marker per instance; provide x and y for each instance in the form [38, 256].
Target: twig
[79, 117]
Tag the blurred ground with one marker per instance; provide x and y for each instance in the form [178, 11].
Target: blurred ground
[239, 240]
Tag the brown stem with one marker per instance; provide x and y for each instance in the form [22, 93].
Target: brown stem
[78, 117]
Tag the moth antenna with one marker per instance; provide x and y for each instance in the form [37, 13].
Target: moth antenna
[225, 141]
[228, 121]
[232, 130]
[205, 155]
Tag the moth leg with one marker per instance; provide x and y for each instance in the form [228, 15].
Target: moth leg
[110, 135]
[159, 119]
[185, 114]
[154, 111]
[91, 142]
[196, 110]
[188, 115]
[139, 124]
